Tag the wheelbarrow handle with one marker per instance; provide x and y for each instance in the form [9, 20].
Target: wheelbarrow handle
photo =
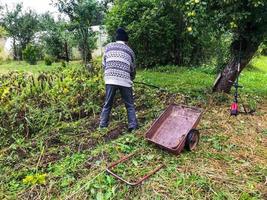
[123, 159]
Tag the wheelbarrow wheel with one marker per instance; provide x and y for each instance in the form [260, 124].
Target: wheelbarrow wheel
[192, 140]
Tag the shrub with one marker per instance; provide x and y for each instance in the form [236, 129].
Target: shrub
[31, 54]
[264, 49]
[48, 60]
[63, 64]
[264, 52]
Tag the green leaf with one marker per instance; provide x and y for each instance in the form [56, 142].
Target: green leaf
[99, 196]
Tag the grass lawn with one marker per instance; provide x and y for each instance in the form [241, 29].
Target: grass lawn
[191, 81]
[178, 79]
[254, 77]
[66, 159]
[195, 81]
[23, 66]
[259, 64]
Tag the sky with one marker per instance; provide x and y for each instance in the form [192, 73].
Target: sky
[40, 6]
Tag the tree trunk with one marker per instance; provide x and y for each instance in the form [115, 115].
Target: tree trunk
[20, 55]
[229, 74]
[15, 56]
[84, 46]
[66, 51]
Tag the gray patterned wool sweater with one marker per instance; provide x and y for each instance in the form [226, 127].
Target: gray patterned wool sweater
[119, 64]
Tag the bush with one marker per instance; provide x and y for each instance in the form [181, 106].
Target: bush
[63, 64]
[31, 54]
[264, 52]
[49, 60]
[264, 49]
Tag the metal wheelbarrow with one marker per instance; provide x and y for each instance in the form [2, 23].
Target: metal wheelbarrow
[173, 131]
[176, 129]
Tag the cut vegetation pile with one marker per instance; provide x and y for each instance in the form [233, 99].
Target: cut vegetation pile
[51, 146]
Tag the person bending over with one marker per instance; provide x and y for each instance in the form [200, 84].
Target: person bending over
[119, 73]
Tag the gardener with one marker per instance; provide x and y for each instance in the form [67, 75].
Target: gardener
[119, 68]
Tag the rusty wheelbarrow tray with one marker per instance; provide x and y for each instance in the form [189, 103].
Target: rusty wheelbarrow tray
[173, 131]
[176, 129]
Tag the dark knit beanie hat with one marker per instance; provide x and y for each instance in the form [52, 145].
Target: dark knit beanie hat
[121, 35]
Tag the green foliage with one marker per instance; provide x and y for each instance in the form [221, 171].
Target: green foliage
[35, 179]
[54, 45]
[82, 14]
[189, 32]
[49, 60]
[160, 32]
[21, 26]
[65, 150]
[243, 18]
[179, 79]
[222, 53]
[151, 29]
[263, 48]
[3, 32]
[31, 54]
[22, 66]
[58, 39]
[78, 97]
[10, 20]
[1, 57]
[106, 4]
[63, 64]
